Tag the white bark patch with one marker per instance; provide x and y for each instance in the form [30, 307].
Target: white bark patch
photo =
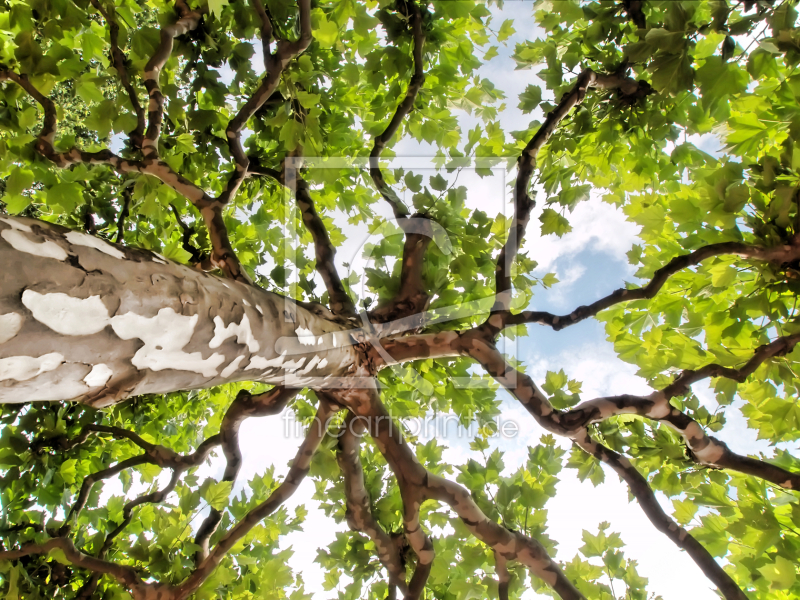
[98, 376]
[20, 242]
[22, 368]
[292, 365]
[10, 324]
[67, 315]
[710, 454]
[260, 363]
[305, 336]
[311, 364]
[165, 337]
[76, 238]
[233, 367]
[242, 333]
[17, 226]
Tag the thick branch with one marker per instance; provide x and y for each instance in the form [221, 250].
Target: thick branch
[223, 256]
[418, 485]
[412, 298]
[89, 481]
[704, 449]
[297, 472]
[275, 63]
[523, 203]
[359, 511]
[503, 576]
[155, 110]
[340, 301]
[244, 406]
[125, 575]
[647, 500]
[778, 255]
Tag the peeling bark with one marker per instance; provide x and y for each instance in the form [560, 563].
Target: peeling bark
[118, 322]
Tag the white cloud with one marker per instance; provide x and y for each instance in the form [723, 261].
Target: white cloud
[597, 227]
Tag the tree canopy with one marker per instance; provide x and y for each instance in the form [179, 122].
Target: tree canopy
[199, 131]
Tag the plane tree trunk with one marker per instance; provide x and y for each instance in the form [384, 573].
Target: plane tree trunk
[84, 319]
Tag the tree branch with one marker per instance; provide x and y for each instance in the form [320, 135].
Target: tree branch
[417, 485]
[118, 59]
[275, 63]
[127, 192]
[359, 511]
[503, 576]
[523, 203]
[244, 406]
[414, 85]
[297, 471]
[155, 111]
[778, 255]
[223, 256]
[186, 238]
[649, 503]
[412, 298]
[125, 575]
[340, 301]
[633, 8]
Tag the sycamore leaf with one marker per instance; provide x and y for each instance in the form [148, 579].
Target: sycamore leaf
[549, 279]
[217, 493]
[781, 574]
[216, 6]
[506, 30]
[552, 222]
[530, 98]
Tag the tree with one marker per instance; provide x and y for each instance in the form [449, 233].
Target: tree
[176, 291]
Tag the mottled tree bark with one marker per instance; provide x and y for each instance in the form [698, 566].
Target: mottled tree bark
[84, 319]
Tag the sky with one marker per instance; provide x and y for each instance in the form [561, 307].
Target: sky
[590, 262]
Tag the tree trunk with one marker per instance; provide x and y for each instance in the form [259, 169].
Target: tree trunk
[84, 319]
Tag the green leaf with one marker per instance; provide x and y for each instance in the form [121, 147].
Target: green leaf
[68, 196]
[530, 98]
[215, 7]
[552, 222]
[667, 41]
[684, 510]
[217, 493]
[326, 33]
[672, 73]
[438, 183]
[781, 574]
[69, 471]
[549, 280]
[506, 30]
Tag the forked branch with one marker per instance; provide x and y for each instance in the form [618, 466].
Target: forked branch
[405, 106]
[523, 203]
[778, 255]
[359, 511]
[418, 485]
